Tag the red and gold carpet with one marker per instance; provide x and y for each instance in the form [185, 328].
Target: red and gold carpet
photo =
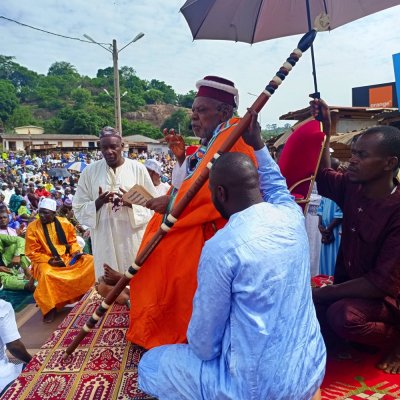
[354, 376]
[104, 366]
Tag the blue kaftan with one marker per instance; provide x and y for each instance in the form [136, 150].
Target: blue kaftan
[253, 332]
[328, 210]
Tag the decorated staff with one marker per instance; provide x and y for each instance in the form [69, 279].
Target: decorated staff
[174, 215]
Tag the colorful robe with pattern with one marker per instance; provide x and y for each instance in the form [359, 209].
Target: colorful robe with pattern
[57, 286]
[162, 291]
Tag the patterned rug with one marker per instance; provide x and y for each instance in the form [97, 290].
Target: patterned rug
[353, 375]
[104, 366]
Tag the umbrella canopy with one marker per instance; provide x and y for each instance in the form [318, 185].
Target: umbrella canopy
[78, 166]
[253, 21]
[58, 172]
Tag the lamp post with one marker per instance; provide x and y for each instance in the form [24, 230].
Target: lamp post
[117, 96]
[256, 95]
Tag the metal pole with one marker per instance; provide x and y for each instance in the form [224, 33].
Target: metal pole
[117, 96]
[314, 72]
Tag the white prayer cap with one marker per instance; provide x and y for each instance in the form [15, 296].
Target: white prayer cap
[81, 242]
[153, 165]
[48, 204]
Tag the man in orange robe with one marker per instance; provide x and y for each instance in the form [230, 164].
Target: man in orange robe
[162, 291]
[51, 246]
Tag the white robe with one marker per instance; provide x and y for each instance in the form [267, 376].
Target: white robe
[116, 235]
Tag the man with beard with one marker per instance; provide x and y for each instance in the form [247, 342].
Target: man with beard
[162, 291]
[116, 229]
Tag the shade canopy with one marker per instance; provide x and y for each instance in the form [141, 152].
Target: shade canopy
[253, 21]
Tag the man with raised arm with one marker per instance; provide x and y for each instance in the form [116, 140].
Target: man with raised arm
[253, 333]
[362, 306]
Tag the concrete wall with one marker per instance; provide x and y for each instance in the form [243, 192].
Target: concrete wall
[350, 125]
[157, 148]
[25, 130]
[21, 144]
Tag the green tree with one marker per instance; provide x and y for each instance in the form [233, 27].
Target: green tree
[62, 68]
[81, 97]
[8, 100]
[18, 75]
[53, 125]
[140, 128]
[132, 102]
[169, 95]
[153, 96]
[82, 122]
[186, 100]
[179, 121]
[21, 116]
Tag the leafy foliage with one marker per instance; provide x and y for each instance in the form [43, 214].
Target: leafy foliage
[63, 101]
[179, 121]
[8, 100]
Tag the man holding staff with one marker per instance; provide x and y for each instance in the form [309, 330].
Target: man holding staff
[162, 291]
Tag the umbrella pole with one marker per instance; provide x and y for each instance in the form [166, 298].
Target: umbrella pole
[316, 94]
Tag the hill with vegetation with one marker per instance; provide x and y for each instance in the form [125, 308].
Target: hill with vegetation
[63, 101]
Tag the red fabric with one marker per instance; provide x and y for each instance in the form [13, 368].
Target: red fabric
[191, 150]
[103, 367]
[352, 375]
[217, 94]
[299, 158]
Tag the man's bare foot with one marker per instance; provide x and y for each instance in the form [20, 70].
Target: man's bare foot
[49, 317]
[390, 363]
[103, 290]
[111, 276]
[30, 286]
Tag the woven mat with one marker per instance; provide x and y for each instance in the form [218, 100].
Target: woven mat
[104, 366]
[352, 375]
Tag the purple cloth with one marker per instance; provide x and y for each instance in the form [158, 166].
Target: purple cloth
[370, 245]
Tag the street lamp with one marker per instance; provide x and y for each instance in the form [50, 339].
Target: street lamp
[255, 95]
[117, 97]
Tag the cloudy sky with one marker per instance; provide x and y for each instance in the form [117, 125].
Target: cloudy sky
[357, 54]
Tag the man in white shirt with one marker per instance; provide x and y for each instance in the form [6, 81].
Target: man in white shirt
[10, 339]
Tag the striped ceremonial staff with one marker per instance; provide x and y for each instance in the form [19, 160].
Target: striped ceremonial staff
[241, 128]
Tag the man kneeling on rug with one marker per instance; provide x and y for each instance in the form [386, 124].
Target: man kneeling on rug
[63, 273]
[253, 333]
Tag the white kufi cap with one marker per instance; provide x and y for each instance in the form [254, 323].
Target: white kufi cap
[153, 165]
[48, 204]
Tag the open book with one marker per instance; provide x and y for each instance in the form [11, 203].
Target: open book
[137, 195]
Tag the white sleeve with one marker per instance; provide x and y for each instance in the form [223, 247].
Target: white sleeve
[178, 174]
[84, 207]
[8, 325]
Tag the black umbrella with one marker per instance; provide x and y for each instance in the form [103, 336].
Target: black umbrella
[253, 21]
[58, 172]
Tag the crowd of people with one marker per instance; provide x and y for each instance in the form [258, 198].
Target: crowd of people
[223, 302]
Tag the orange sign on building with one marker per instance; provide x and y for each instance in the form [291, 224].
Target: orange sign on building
[381, 97]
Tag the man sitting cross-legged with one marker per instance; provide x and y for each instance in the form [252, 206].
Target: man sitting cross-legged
[51, 246]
